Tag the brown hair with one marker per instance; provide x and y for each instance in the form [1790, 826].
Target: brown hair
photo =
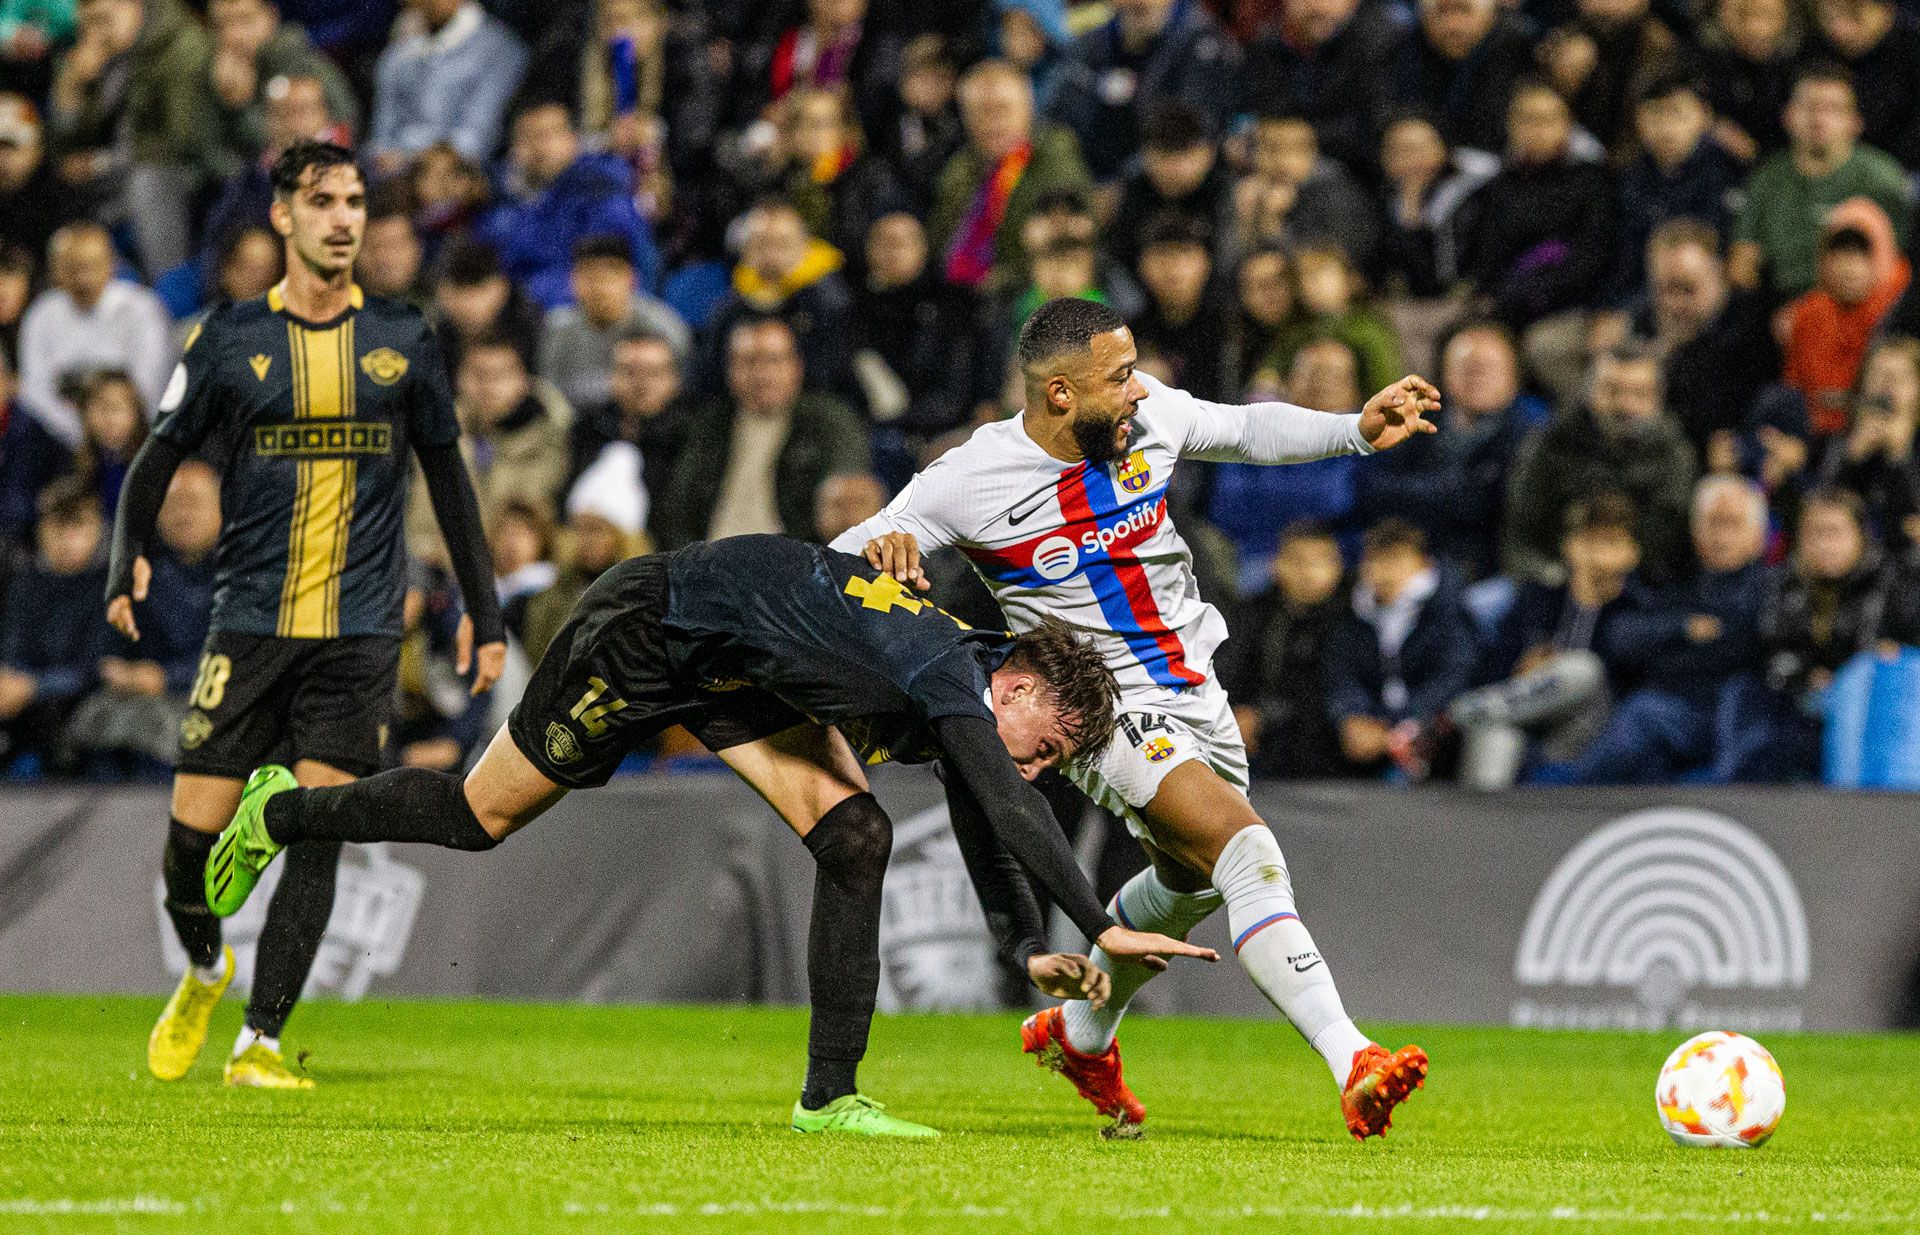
[69, 499]
[1077, 678]
[1684, 232]
[1394, 534]
[1603, 512]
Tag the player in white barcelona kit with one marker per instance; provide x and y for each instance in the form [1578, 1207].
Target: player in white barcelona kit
[1063, 512]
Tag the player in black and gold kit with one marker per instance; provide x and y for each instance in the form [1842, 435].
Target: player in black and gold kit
[797, 666]
[311, 401]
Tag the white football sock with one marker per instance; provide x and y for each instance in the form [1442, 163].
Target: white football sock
[249, 1036]
[1276, 950]
[1143, 904]
[211, 975]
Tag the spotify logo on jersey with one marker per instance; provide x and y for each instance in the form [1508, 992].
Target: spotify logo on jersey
[1055, 557]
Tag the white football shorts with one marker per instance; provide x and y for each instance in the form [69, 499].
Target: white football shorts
[1158, 730]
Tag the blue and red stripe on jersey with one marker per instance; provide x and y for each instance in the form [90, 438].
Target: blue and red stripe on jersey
[1091, 506]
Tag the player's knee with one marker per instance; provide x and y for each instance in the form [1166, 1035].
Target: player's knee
[1252, 857]
[855, 837]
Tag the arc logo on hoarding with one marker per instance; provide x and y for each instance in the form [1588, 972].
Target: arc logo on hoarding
[1055, 557]
[1673, 917]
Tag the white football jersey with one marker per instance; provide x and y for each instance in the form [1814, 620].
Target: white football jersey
[1091, 544]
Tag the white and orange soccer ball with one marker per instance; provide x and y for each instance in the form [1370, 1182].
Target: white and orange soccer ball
[1720, 1090]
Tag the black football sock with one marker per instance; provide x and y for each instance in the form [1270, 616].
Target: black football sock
[183, 867]
[850, 847]
[296, 922]
[406, 804]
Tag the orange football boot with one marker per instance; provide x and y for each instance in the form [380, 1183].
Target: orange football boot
[1044, 1036]
[1378, 1083]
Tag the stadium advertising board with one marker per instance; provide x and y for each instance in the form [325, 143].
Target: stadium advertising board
[1667, 909]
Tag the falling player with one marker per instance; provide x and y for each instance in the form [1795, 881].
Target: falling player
[1063, 511]
[756, 644]
[310, 398]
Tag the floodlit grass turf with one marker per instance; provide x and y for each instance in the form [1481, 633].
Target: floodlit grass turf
[471, 1116]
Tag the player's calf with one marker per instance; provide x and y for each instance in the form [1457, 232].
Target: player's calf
[850, 845]
[405, 804]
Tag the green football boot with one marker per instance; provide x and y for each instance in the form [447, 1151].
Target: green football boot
[859, 1115]
[244, 850]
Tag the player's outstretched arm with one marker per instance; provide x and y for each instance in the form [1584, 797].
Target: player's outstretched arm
[141, 496]
[458, 512]
[1013, 915]
[1399, 412]
[1021, 821]
[1283, 433]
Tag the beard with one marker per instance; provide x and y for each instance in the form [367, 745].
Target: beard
[1097, 441]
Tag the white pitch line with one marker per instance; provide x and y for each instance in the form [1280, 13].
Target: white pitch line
[61, 1206]
[156, 1206]
[1355, 1213]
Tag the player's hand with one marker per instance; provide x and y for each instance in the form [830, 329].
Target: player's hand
[1399, 412]
[898, 554]
[1148, 948]
[120, 608]
[1064, 975]
[492, 660]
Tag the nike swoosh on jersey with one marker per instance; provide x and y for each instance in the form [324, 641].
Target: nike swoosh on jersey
[1023, 516]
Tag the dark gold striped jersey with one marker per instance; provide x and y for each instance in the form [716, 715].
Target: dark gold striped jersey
[311, 424]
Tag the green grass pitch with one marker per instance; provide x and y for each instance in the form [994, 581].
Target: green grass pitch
[492, 1117]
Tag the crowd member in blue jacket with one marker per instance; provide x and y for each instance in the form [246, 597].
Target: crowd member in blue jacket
[1401, 655]
[130, 726]
[557, 196]
[51, 631]
[1151, 50]
[1693, 652]
[1546, 683]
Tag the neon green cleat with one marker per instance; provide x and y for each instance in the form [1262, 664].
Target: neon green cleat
[261, 1067]
[859, 1115]
[244, 849]
[182, 1028]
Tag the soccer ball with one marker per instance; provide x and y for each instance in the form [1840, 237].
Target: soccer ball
[1720, 1091]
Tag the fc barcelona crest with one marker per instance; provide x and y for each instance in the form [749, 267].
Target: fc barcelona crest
[384, 365]
[1134, 473]
[562, 747]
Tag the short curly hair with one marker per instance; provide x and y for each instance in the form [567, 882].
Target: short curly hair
[1077, 679]
[1064, 326]
[291, 168]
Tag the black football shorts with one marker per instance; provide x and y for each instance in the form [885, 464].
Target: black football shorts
[605, 686]
[264, 698]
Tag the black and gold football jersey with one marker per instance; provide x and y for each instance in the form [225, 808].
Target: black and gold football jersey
[311, 424]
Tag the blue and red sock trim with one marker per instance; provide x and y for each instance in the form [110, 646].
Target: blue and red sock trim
[1261, 925]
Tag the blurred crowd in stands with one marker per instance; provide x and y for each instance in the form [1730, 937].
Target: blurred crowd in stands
[708, 267]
